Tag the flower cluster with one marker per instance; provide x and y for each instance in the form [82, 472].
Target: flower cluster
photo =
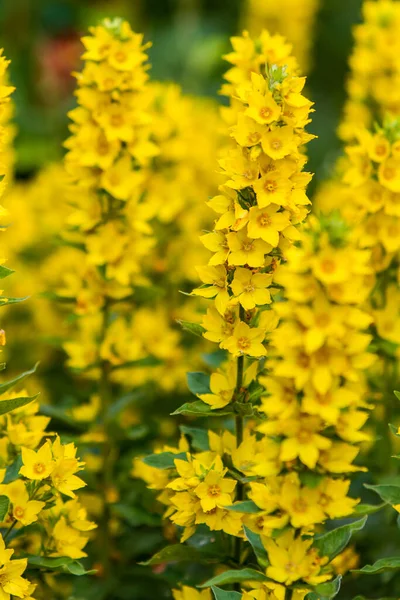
[374, 83]
[272, 481]
[290, 18]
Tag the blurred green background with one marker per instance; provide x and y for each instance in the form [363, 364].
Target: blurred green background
[189, 37]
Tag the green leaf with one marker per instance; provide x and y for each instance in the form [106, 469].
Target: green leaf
[214, 359]
[194, 328]
[12, 471]
[388, 492]
[147, 361]
[367, 509]
[198, 383]
[7, 406]
[397, 394]
[380, 566]
[325, 591]
[7, 385]
[332, 543]
[163, 460]
[180, 553]
[4, 300]
[235, 576]
[200, 409]
[5, 272]
[257, 545]
[62, 563]
[311, 480]
[247, 506]
[4, 506]
[223, 595]
[199, 437]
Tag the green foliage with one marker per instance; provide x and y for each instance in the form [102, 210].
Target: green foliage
[380, 566]
[236, 576]
[333, 542]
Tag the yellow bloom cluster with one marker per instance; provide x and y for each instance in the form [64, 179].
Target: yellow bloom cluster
[374, 83]
[35, 476]
[291, 461]
[293, 19]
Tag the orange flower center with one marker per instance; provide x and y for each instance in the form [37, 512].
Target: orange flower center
[270, 186]
[264, 220]
[120, 56]
[248, 246]
[248, 174]
[322, 320]
[19, 512]
[254, 137]
[276, 144]
[328, 265]
[116, 120]
[304, 436]
[300, 505]
[389, 173]
[243, 343]
[214, 490]
[265, 112]
[39, 468]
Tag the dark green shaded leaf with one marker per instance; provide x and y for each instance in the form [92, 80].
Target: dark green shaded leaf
[200, 409]
[4, 506]
[163, 460]
[194, 328]
[367, 509]
[5, 272]
[7, 406]
[333, 542]
[325, 591]
[136, 515]
[380, 566]
[7, 385]
[198, 383]
[199, 437]
[12, 471]
[235, 576]
[223, 595]
[257, 545]
[247, 506]
[180, 553]
[388, 492]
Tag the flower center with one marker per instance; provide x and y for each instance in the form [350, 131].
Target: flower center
[39, 468]
[19, 512]
[264, 220]
[389, 173]
[270, 185]
[328, 265]
[254, 137]
[243, 343]
[116, 120]
[300, 505]
[214, 490]
[304, 436]
[249, 288]
[248, 174]
[248, 246]
[120, 56]
[276, 144]
[322, 320]
[265, 112]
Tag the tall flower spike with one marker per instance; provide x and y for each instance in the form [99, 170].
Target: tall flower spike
[259, 208]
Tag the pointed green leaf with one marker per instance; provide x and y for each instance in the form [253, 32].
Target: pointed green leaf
[194, 328]
[199, 437]
[4, 300]
[380, 566]
[258, 547]
[4, 506]
[7, 385]
[12, 471]
[367, 509]
[247, 506]
[200, 409]
[397, 394]
[7, 406]
[5, 272]
[325, 591]
[163, 460]
[388, 492]
[333, 542]
[223, 595]
[198, 383]
[235, 576]
[180, 553]
[49, 563]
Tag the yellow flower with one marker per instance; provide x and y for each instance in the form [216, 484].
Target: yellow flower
[389, 174]
[215, 491]
[267, 223]
[245, 340]
[279, 142]
[262, 107]
[24, 510]
[301, 503]
[273, 187]
[244, 250]
[216, 282]
[37, 465]
[251, 289]
[188, 593]
[222, 386]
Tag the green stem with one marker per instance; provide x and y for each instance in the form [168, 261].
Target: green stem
[107, 451]
[239, 426]
[288, 594]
